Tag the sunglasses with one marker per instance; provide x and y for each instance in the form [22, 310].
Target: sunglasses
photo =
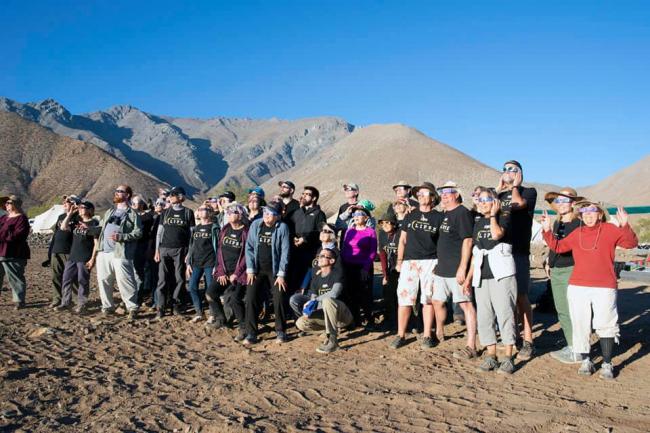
[589, 209]
[233, 212]
[424, 193]
[204, 209]
[323, 256]
[359, 214]
[120, 191]
[510, 169]
[9, 202]
[485, 200]
[269, 212]
[448, 191]
[558, 200]
[329, 232]
[306, 193]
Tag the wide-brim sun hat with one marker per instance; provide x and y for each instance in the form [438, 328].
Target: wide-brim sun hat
[564, 192]
[429, 186]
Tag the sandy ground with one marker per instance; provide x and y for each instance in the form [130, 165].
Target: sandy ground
[88, 375]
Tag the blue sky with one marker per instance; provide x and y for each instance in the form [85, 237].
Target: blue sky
[561, 86]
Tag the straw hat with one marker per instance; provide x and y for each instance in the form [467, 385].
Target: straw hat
[564, 192]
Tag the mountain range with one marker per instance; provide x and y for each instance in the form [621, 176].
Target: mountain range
[206, 156]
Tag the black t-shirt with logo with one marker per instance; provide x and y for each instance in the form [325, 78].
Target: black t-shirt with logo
[388, 243]
[560, 231]
[482, 238]
[203, 255]
[320, 285]
[457, 225]
[177, 226]
[231, 247]
[264, 252]
[82, 243]
[422, 234]
[62, 239]
[521, 220]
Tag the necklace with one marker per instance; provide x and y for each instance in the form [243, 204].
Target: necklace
[595, 246]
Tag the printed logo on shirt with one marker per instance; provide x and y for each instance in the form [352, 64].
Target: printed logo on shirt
[484, 232]
[202, 233]
[445, 227]
[390, 248]
[79, 231]
[265, 237]
[175, 220]
[324, 289]
[422, 225]
[231, 241]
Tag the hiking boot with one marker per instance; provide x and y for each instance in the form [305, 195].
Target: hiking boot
[176, 310]
[241, 335]
[217, 324]
[489, 363]
[160, 314]
[465, 353]
[397, 342]
[526, 352]
[80, 310]
[196, 318]
[330, 346]
[19, 306]
[60, 308]
[586, 367]
[106, 312]
[427, 343]
[302, 334]
[506, 367]
[210, 320]
[606, 371]
[132, 315]
[281, 337]
[250, 340]
[566, 356]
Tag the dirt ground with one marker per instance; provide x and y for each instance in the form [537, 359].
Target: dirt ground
[60, 372]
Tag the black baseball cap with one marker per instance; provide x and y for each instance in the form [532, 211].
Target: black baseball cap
[177, 190]
[229, 195]
[287, 183]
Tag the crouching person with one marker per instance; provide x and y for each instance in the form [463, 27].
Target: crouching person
[324, 310]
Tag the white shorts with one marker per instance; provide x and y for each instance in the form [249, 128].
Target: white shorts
[414, 275]
[444, 287]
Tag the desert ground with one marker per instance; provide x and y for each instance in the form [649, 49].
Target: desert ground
[65, 373]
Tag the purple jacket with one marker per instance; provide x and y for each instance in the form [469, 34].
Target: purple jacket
[240, 269]
[359, 247]
[13, 237]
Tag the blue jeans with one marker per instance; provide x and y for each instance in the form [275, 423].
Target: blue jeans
[195, 279]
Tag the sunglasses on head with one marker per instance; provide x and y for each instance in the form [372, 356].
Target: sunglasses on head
[510, 169]
[557, 200]
[485, 200]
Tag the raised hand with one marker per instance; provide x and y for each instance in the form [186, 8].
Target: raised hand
[546, 222]
[496, 207]
[622, 216]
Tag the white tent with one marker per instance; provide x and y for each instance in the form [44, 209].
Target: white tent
[44, 222]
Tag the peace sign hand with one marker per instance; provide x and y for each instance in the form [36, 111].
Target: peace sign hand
[622, 216]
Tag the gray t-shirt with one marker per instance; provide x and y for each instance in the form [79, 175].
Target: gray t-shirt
[112, 226]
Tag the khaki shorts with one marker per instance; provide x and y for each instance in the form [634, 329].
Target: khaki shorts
[444, 287]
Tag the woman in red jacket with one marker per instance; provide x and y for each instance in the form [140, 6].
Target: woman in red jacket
[14, 251]
[592, 285]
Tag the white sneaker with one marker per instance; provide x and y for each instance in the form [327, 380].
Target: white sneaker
[586, 367]
[211, 320]
[606, 371]
[196, 319]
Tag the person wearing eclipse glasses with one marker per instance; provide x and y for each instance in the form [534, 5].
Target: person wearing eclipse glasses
[559, 267]
[593, 286]
[518, 204]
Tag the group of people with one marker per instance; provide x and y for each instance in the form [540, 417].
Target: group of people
[283, 255]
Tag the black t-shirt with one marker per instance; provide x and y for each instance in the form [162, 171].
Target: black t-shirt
[264, 251]
[62, 239]
[422, 234]
[560, 231]
[320, 285]
[177, 226]
[388, 243]
[231, 247]
[482, 238]
[82, 243]
[203, 254]
[457, 225]
[521, 220]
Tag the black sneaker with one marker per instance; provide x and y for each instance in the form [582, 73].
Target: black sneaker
[250, 340]
[281, 337]
[241, 336]
[176, 310]
[427, 343]
[397, 342]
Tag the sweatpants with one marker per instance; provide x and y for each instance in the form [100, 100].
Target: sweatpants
[111, 270]
[496, 299]
[359, 291]
[14, 269]
[57, 262]
[171, 276]
[559, 285]
[195, 280]
[335, 314]
[234, 299]
[75, 272]
[253, 302]
[582, 302]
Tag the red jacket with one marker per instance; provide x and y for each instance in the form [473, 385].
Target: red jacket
[593, 250]
[13, 237]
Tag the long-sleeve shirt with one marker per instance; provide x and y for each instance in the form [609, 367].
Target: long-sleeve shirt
[13, 237]
[360, 247]
[593, 251]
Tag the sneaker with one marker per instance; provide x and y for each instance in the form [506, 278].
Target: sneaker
[397, 342]
[176, 310]
[160, 314]
[489, 363]
[427, 343]
[506, 366]
[19, 306]
[132, 315]
[196, 318]
[281, 337]
[54, 304]
[330, 346]
[217, 324]
[80, 310]
[526, 352]
[106, 312]
[606, 371]
[586, 367]
[62, 308]
[249, 340]
[465, 353]
[302, 334]
[566, 356]
[241, 336]
[210, 320]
